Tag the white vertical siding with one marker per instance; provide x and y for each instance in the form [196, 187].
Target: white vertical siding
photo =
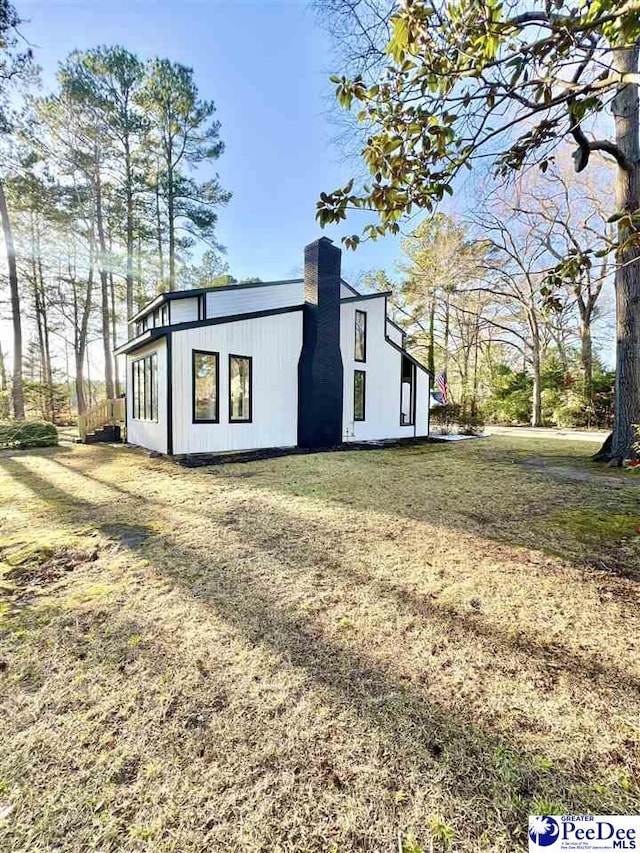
[183, 310]
[382, 368]
[395, 334]
[242, 300]
[422, 402]
[149, 434]
[274, 343]
[346, 292]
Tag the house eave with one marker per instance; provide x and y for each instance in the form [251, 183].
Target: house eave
[160, 331]
[169, 296]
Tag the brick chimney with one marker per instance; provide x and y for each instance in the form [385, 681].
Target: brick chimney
[320, 374]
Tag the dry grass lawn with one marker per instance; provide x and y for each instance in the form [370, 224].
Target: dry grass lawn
[315, 653]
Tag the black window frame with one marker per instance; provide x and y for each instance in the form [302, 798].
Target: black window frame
[164, 315]
[414, 394]
[248, 420]
[355, 337]
[202, 307]
[144, 370]
[363, 373]
[194, 419]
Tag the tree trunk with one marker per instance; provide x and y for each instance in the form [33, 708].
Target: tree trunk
[431, 352]
[114, 331]
[159, 236]
[536, 411]
[3, 372]
[446, 333]
[17, 385]
[172, 228]
[129, 195]
[82, 332]
[104, 288]
[627, 277]
[46, 347]
[476, 345]
[586, 357]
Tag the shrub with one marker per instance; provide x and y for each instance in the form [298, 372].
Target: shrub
[443, 418]
[571, 410]
[510, 399]
[23, 434]
[470, 423]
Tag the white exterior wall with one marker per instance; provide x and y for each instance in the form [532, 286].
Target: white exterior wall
[274, 343]
[183, 310]
[382, 368]
[248, 299]
[347, 292]
[149, 434]
[423, 391]
[394, 334]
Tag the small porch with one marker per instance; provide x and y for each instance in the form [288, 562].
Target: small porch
[104, 422]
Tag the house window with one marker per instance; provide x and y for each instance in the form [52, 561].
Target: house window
[359, 394]
[206, 382]
[145, 388]
[240, 388]
[361, 336]
[202, 307]
[165, 315]
[408, 393]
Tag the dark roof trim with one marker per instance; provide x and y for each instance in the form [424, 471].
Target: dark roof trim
[198, 291]
[396, 326]
[142, 340]
[233, 318]
[361, 296]
[347, 285]
[155, 303]
[153, 334]
[410, 357]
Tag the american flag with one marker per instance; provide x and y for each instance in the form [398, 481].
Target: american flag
[441, 382]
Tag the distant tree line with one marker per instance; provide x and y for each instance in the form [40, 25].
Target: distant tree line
[473, 297]
[106, 186]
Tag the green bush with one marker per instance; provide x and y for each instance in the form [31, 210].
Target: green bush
[571, 410]
[443, 418]
[510, 399]
[23, 434]
[470, 423]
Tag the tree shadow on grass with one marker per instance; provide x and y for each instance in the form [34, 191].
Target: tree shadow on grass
[486, 781]
[482, 493]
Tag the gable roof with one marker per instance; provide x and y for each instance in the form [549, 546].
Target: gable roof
[151, 335]
[170, 295]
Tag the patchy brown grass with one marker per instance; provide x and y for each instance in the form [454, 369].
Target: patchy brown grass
[315, 653]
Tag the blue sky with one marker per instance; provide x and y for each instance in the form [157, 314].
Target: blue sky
[266, 64]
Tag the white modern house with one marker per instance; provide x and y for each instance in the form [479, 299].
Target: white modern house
[307, 362]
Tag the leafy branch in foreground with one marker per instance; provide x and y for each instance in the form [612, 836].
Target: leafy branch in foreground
[506, 81]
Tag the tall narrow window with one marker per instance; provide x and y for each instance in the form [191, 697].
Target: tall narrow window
[154, 385]
[165, 315]
[239, 388]
[206, 377]
[408, 393]
[359, 394]
[361, 336]
[145, 388]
